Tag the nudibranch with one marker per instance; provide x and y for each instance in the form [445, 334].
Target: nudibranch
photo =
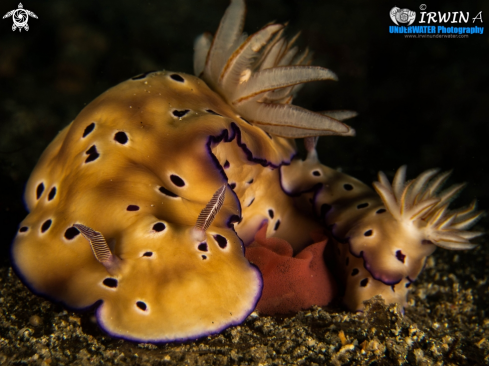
[144, 204]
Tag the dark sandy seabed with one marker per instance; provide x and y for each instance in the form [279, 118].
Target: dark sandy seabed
[445, 325]
[421, 102]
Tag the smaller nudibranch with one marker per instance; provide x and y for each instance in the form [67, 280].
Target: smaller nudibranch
[382, 239]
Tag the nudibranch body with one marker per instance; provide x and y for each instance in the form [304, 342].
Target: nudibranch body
[145, 203]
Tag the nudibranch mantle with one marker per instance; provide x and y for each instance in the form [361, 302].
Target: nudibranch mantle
[145, 203]
[138, 165]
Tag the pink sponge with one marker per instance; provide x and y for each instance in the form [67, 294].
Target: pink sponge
[290, 284]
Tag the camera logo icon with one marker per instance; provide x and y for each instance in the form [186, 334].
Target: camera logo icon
[402, 16]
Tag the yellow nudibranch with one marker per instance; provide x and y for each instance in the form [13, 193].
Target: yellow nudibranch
[145, 203]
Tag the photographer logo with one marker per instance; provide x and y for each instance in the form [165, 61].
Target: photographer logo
[20, 17]
[402, 16]
[435, 24]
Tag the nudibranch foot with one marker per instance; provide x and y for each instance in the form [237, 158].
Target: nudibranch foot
[291, 283]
